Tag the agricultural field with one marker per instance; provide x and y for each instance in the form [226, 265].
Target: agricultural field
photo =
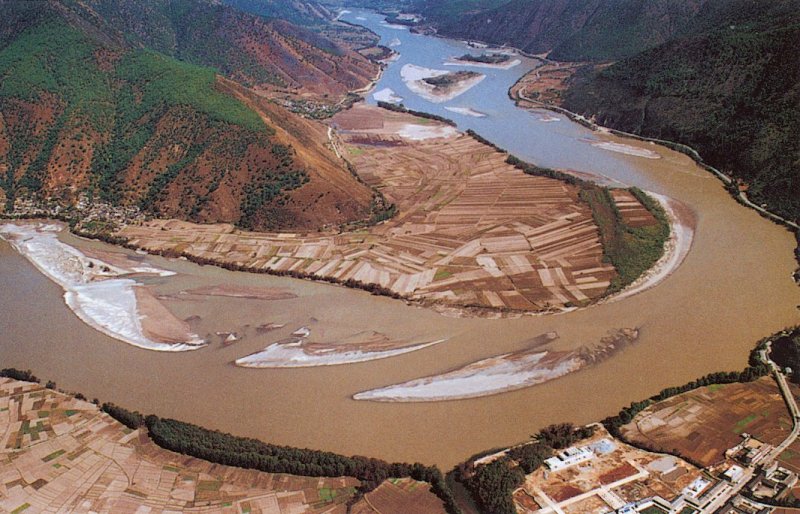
[400, 496]
[617, 475]
[703, 423]
[546, 83]
[58, 452]
[471, 230]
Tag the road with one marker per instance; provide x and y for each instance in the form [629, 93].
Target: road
[732, 490]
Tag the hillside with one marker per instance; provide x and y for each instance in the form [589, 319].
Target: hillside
[256, 51]
[590, 30]
[298, 12]
[572, 29]
[81, 109]
[732, 93]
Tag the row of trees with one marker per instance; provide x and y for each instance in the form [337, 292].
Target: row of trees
[221, 448]
[419, 114]
[230, 450]
[492, 485]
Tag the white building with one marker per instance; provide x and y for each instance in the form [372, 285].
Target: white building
[569, 457]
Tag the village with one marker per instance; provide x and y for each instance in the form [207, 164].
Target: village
[749, 466]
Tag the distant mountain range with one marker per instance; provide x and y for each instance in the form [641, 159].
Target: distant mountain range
[122, 99]
[722, 76]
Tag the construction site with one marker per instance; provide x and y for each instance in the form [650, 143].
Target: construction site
[605, 475]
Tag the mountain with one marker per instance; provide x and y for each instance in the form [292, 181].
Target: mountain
[721, 76]
[298, 12]
[256, 51]
[733, 93]
[93, 99]
[574, 29]
[589, 30]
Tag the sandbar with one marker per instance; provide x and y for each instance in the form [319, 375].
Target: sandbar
[502, 373]
[387, 95]
[627, 149]
[299, 352]
[466, 111]
[414, 77]
[98, 292]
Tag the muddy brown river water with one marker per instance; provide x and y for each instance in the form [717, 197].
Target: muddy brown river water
[733, 288]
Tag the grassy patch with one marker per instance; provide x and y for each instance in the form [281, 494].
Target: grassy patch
[44, 413]
[71, 412]
[442, 274]
[713, 388]
[327, 494]
[171, 468]
[355, 151]
[742, 423]
[209, 485]
[163, 79]
[54, 455]
[21, 508]
[632, 250]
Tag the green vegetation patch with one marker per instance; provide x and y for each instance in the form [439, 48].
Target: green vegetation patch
[713, 388]
[209, 485]
[163, 79]
[742, 423]
[56, 454]
[327, 495]
[55, 58]
[21, 508]
[632, 250]
[652, 510]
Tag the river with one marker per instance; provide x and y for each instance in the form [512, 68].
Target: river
[733, 288]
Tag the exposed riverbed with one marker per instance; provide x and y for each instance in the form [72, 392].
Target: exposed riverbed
[733, 288]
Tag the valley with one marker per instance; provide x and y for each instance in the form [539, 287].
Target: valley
[409, 260]
[670, 317]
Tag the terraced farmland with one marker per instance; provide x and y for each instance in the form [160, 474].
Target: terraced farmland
[399, 496]
[471, 230]
[58, 453]
[703, 423]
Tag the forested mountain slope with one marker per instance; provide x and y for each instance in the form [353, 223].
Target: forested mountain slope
[592, 30]
[721, 76]
[256, 51]
[83, 109]
[732, 93]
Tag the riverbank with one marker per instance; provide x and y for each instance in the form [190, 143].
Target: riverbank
[542, 236]
[100, 293]
[515, 93]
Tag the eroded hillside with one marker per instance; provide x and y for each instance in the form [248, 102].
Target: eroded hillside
[82, 110]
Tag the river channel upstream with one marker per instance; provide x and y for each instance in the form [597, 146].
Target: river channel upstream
[733, 288]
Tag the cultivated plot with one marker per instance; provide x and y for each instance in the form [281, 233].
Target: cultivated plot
[471, 230]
